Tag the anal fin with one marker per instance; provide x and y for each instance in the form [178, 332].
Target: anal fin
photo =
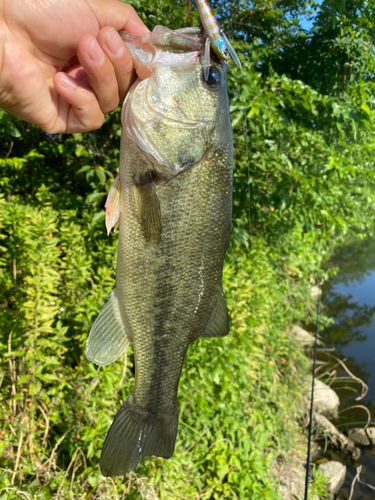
[107, 339]
[218, 324]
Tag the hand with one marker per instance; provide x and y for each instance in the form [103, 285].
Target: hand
[63, 65]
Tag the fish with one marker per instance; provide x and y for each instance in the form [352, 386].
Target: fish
[172, 202]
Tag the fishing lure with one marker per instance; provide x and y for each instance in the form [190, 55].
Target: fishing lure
[216, 38]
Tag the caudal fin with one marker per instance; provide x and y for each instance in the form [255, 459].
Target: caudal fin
[135, 434]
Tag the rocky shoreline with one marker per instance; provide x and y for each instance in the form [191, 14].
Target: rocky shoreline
[325, 407]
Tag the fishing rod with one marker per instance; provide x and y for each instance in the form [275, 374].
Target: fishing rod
[308, 459]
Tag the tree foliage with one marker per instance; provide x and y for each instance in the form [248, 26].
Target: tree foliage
[302, 115]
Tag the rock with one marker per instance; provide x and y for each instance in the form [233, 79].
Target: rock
[337, 438]
[326, 401]
[315, 292]
[359, 436]
[363, 437]
[291, 479]
[303, 337]
[336, 473]
[371, 433]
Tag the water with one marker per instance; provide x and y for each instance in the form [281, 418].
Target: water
[349, 297]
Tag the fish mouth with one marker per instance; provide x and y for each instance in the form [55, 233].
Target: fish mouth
[177, 41]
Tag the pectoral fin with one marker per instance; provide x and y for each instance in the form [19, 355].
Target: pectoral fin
[107, 339]
[148, 208]
[113, 206]
[218, 324]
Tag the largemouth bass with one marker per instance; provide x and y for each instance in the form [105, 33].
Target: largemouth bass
[173, 195]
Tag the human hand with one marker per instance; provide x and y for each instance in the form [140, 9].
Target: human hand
[63, 65]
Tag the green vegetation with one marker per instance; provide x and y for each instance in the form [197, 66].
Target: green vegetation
[302, 112]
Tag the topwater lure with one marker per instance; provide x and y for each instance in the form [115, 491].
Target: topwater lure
[216, 38]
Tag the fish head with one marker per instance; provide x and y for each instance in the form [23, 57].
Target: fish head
[175, 114]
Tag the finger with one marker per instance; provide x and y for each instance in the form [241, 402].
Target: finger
[78, 73]
[100, 72]
[77, 106]
[119, 15]
[119, 55]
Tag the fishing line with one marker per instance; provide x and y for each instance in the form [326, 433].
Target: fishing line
[246, 130]
[248, 168]
[308, 465]
[190, 8]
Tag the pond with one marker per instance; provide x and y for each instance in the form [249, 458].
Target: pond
[349, 298]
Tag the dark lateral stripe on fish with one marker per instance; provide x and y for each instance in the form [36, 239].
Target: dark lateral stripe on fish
[166, 307]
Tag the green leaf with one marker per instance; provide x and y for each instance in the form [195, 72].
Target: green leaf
[101, 175]
[99, 216]
[366, 109]
[80, 150]
[94, 197]
[85, 168]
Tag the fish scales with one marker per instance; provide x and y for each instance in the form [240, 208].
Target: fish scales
[175, 203]
[166, 306]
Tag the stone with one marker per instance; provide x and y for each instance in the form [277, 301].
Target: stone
[326, 401]
[338, 440]
[371, 434]
[303, 337]
[315, 292]
[362, 437]
[335, 472]
[291, 479]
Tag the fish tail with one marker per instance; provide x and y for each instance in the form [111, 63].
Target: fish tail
[135, 434]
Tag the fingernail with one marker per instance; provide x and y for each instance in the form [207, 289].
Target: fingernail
[95, 53]
[114, 43]
[68, 82]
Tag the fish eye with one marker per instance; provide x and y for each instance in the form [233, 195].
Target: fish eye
[214, 77]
